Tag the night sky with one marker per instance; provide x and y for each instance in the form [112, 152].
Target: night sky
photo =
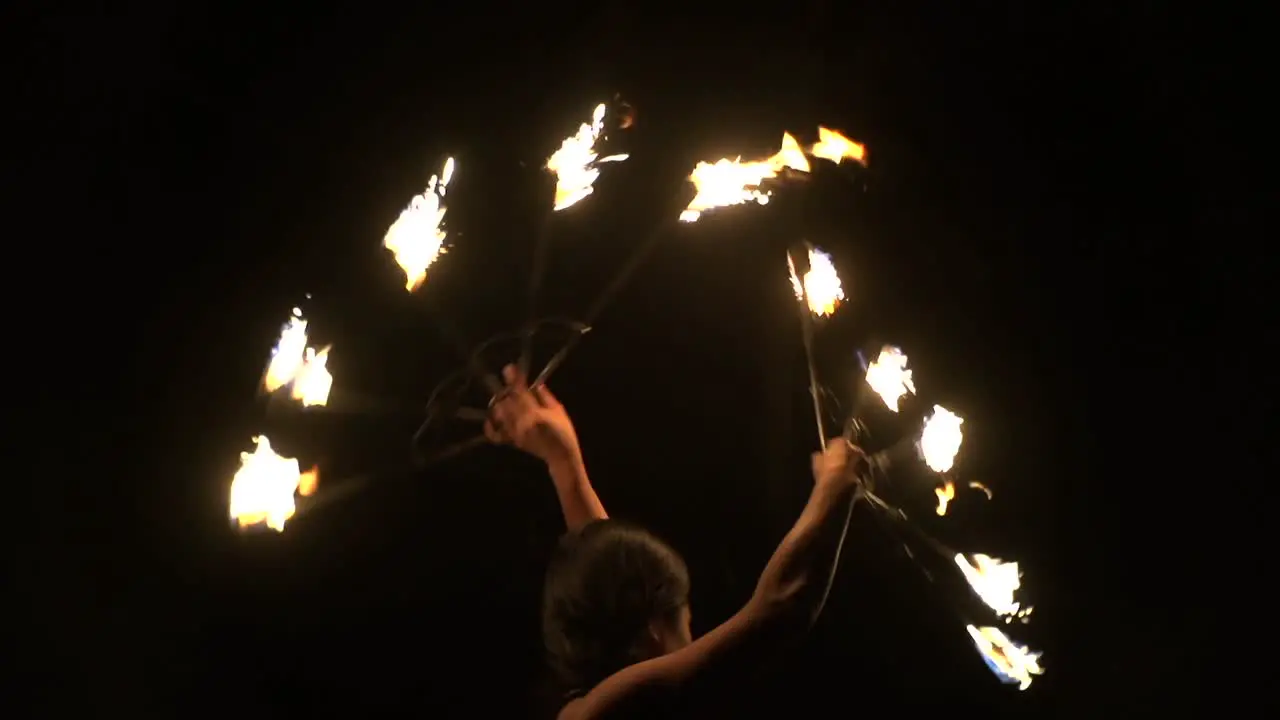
[1032, 229]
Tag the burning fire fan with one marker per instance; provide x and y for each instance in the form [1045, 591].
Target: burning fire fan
[268, 487]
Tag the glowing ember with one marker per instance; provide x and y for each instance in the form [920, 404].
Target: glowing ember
[889, 377]
[417, 237]
[1011, 662]
[263, 488]
[940, 440]
[946, 492]
[835, 147]
[979, 486]
[575, 164]
[293, 363]
[821, 283]
[734, 182]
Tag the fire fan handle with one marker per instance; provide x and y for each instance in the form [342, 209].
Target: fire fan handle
[629, 267]
[558, 359]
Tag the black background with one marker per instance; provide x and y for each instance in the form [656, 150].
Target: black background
[1044, 225]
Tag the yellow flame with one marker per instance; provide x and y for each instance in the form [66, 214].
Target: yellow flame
[941, 438]
[287, 356]
[835, 147]
[1014, 661]
[946, 492]
[821, 283]
[417, 237]
[308, 482]
[575, 164]
[313, 383]
[734, 182]
[889, 377]
[263, 488]
[296, 365]
[995, 581]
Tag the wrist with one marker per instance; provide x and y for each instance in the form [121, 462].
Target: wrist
[566, 468]
[840, 484]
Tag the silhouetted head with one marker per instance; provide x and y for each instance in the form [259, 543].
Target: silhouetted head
[615, 595]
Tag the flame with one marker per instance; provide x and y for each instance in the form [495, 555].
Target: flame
[733, 182]
[835, 147]
[287, 356]
[941, 438]
[1012, 662]
[293, 363]
[575, 163]
[308, 481]
[946, 492]
[417, 237]
[889, 377]
[262, 489]
[821, 283]
[995, 581]
[312, 385]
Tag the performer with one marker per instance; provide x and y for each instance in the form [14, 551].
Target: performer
[615, 603]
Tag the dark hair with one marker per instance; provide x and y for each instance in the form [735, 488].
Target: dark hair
[605, 584]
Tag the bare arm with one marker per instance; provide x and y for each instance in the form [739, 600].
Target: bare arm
[533, 420]
[786, 601]
[578, 500]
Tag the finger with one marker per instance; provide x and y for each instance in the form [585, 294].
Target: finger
[491, 432]
[517, 386]
[861, 460]
[508, 410]
[515, 379]
[504, 413]
[544, 397]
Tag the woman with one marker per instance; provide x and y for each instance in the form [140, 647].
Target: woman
[616, 611]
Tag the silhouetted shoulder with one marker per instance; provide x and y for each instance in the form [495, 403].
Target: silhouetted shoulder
[657, 687]
[569, 710]
[639, 707]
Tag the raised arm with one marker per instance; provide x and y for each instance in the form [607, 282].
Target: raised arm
[535, 421]
[578, 500]
[787, 599]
